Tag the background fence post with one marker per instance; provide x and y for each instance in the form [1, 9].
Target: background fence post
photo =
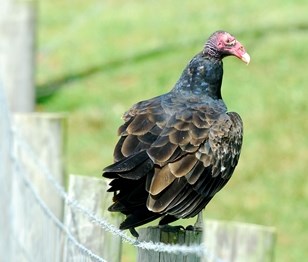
[6, 179]
[238, 242]
[168, 235]
[92, 194]
[17, 58]
[45, 134]
[38, 147]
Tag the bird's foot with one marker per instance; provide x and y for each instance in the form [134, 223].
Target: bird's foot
[198, 226]
[194, 228]
[169, 228]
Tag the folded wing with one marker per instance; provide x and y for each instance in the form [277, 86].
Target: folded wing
[171, 163]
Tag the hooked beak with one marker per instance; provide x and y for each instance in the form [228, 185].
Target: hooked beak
[239, 51]
[245, 58]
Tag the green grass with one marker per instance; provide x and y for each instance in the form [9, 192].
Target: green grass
[95, 59]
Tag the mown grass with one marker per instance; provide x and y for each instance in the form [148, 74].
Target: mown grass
[95, 59]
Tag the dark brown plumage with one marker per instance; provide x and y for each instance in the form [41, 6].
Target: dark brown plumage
[177, 150]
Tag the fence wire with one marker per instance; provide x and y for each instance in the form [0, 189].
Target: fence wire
[30, 231]
[48, 220]
[26, 209]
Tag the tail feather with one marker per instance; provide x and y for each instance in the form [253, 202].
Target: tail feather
[117, 207]
[139, 171]
[135, 220]
[129, 176]
[127, 164]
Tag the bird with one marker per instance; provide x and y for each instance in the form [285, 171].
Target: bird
[177, 150]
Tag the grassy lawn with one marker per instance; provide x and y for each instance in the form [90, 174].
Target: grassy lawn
[96, 58]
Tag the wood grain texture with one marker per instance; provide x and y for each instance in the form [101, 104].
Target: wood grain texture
[168, 235]
[17, 53]
[238, 242]
[38, 144]
[91, 193]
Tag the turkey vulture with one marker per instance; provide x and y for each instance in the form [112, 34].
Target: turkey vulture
[177, 150]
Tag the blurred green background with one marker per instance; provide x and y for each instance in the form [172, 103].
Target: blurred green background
[97, 58]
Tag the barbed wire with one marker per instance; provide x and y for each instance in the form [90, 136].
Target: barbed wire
[21, 172]
[24, 178]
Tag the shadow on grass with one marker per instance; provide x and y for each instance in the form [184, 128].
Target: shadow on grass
[47, 90]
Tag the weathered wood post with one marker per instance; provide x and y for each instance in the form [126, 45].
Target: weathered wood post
[17, 58]
[5, 178]
[238, 242]
[92, 194]
[45, 134]
[168, 235]
[38, 146]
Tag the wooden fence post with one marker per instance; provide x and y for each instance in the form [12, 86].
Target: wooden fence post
[92, 194]
[6, 180]
[17, 59]
[238, 242]
[38, 148]
[45, 134]
[168, 235]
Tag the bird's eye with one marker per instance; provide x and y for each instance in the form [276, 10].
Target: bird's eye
[230, 43]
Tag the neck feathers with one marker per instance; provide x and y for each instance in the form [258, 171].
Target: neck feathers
[210, 49]
[201, 77]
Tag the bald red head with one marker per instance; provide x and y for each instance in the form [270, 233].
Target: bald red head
[221, 44]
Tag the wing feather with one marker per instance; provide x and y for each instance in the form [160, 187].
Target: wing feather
[130, 145]
[195, 173]
[161, 180]
[160, 202]
[180, 137]
[183, 166]
[140, 125]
